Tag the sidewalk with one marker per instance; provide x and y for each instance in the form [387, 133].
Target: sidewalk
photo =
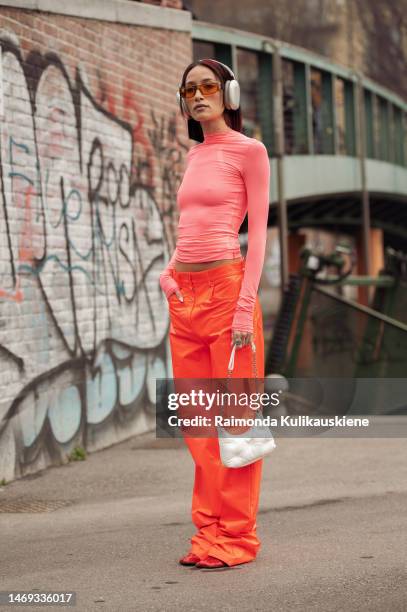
[332, 521]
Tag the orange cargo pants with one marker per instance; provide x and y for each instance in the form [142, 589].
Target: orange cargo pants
[224, 500]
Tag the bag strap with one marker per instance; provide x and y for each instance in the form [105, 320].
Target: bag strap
[254, 366]
[232, 360]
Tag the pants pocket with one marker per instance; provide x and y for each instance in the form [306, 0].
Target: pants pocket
[179, 311]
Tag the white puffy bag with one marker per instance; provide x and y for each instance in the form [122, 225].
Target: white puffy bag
[242, 449]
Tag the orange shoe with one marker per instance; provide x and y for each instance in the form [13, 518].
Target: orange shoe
[189, 559]
[211, 563]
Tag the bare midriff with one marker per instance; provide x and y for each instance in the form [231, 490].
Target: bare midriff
[180, 266]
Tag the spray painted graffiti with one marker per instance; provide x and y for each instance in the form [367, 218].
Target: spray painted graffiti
[83, 321]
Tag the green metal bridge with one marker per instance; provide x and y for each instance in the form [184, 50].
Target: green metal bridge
[320, 331]
[338, 153]
[336, 139]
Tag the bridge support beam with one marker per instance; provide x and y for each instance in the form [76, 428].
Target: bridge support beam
[295, 243]
[361, 151]
[376, 262]
[278, 124]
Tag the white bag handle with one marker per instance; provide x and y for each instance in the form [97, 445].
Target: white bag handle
[232, 358]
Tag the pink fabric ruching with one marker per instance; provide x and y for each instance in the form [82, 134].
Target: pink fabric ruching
[226, 176]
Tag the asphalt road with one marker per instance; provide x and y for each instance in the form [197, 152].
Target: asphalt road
[332, 521]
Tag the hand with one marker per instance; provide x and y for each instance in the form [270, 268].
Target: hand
[241, 338]
[179, 295]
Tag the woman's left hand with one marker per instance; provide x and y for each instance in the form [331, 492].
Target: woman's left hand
[241, 338]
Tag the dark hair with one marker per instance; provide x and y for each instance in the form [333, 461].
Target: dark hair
[233, 118]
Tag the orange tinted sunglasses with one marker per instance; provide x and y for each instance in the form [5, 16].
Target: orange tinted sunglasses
[207, 89]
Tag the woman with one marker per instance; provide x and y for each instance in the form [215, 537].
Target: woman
[212, 296]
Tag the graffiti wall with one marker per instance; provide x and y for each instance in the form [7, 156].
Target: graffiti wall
[88, 190]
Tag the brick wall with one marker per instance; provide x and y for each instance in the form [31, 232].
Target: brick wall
[92, 152]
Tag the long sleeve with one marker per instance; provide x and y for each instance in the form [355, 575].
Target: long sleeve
[167, 283]
[256, 174]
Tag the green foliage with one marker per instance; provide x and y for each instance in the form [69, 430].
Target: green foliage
[77, 454]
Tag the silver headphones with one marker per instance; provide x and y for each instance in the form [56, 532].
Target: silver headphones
[231, 96]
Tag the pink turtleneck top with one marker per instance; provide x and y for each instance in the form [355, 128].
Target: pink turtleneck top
[226, 176]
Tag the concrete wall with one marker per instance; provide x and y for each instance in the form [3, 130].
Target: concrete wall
[368, 36]
[168, 3]
[92, 152]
